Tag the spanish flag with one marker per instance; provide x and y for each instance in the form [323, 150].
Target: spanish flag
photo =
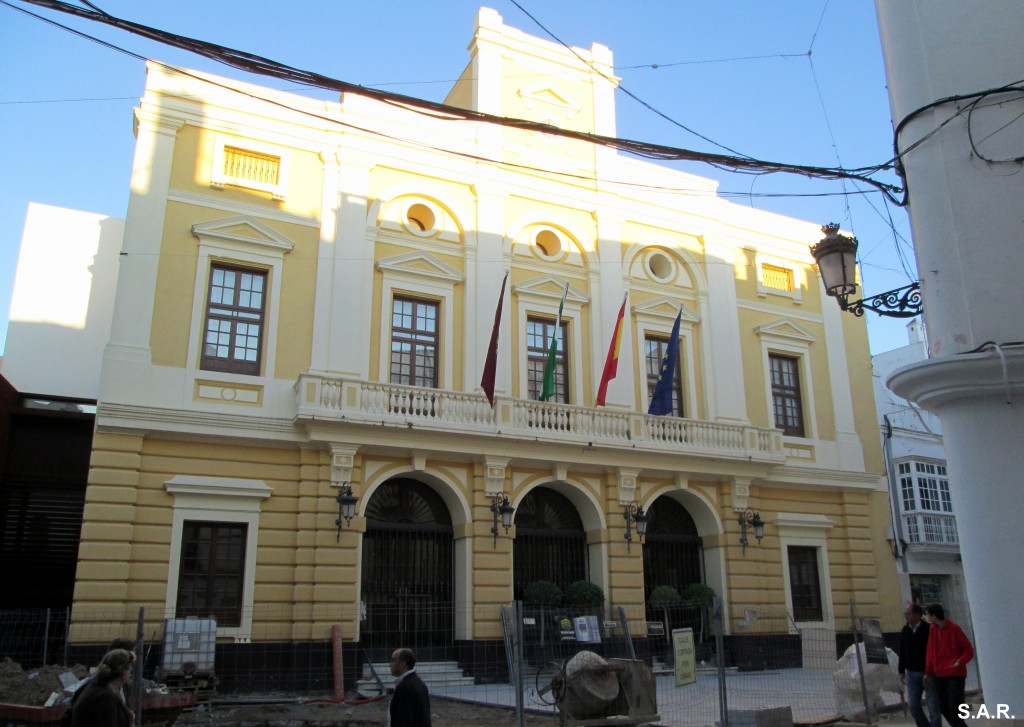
[611, 364]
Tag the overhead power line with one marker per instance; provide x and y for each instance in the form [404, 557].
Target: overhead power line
[260, 65]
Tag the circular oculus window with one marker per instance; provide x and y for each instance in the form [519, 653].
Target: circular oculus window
[660, 266]
[420, 218]
[548, 244]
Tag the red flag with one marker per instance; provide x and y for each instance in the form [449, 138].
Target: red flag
[491, 362]
[611, 364]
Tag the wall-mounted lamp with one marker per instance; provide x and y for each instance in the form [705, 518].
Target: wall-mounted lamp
[501, 507]
[633, 513]
[750, 519]
[346, 506]
[836, 256]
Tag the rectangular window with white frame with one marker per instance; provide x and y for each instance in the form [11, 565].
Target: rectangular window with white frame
[787, 397]
[654, 355]
[235, 319]
[538, 341]
[414, 342]
[211, 573]
[804, 583]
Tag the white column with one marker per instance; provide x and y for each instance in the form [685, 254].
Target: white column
[848, 445]
[330, 204]
[726, 391]
[349, 294]
[491, 264]
[966, 222]
[982, 434]
[606, 300]
[132, 322]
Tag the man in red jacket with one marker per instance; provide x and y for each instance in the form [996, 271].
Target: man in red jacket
[945, 664]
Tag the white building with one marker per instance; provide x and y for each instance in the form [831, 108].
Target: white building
[954, 71]
[925, 540]
[63, 302]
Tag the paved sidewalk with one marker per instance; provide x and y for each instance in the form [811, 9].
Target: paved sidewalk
[810, 694]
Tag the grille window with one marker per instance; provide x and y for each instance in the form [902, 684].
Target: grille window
[251, 166]
[777, 278]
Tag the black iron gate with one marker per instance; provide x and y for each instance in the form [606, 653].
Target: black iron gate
[408, 568]
[550, 544]
[673, 556]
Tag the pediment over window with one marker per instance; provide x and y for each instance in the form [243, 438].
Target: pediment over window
[421, 264]
[243, 229]
[665, 307]
[547, 96]
[785, 328]
[551, 286]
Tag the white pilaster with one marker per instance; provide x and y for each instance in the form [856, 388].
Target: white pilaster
[726, 392]
[330, 204]
[350, 293]
[848, 445]
[132, 322]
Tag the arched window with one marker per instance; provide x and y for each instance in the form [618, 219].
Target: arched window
[550, 544]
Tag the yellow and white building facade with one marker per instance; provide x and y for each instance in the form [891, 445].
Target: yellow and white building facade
[304, 304]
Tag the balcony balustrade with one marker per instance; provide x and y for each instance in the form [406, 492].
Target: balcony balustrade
[931, 528]
[355, 401]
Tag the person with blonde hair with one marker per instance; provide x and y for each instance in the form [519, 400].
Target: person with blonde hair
[101, 703]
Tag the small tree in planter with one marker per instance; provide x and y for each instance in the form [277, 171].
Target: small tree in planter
[705, 597]
[584, 594]
[664, 597]
[542, 594]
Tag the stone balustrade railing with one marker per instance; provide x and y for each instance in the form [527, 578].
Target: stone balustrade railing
[355, 401]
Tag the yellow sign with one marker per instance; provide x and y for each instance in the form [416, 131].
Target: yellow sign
[685, 656]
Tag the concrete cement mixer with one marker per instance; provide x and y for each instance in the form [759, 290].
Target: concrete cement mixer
[591, 691]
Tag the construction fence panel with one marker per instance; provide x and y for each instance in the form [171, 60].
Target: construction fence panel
[750, 657]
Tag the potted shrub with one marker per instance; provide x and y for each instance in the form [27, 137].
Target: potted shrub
[542, 594]
[584, 594]
[705, 597]
[664, 597]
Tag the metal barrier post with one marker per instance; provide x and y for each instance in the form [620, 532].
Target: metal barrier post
[860, 663]
[520, 711]
[628, 634]
[46, 638]
[137, 677]
[723, 697]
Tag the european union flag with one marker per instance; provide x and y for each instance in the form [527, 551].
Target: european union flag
[661, 401]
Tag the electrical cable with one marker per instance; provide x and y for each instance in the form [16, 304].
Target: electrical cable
[621, 87]
[898, 155]
[970, 132]
[263, 66]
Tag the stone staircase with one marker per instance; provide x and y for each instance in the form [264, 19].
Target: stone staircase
[434, 674]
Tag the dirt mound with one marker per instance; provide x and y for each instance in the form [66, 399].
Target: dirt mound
[33, 687]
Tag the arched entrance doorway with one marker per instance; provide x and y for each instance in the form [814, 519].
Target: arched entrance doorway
[408, 568]
[550, 544]
[673, 556]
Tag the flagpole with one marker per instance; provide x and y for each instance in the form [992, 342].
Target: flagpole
[611, 362]
[548, 384]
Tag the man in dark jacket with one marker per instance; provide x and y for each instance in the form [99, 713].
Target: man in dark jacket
[913, 649]
[410, 705]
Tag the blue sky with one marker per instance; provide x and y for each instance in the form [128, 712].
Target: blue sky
[795, 81]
